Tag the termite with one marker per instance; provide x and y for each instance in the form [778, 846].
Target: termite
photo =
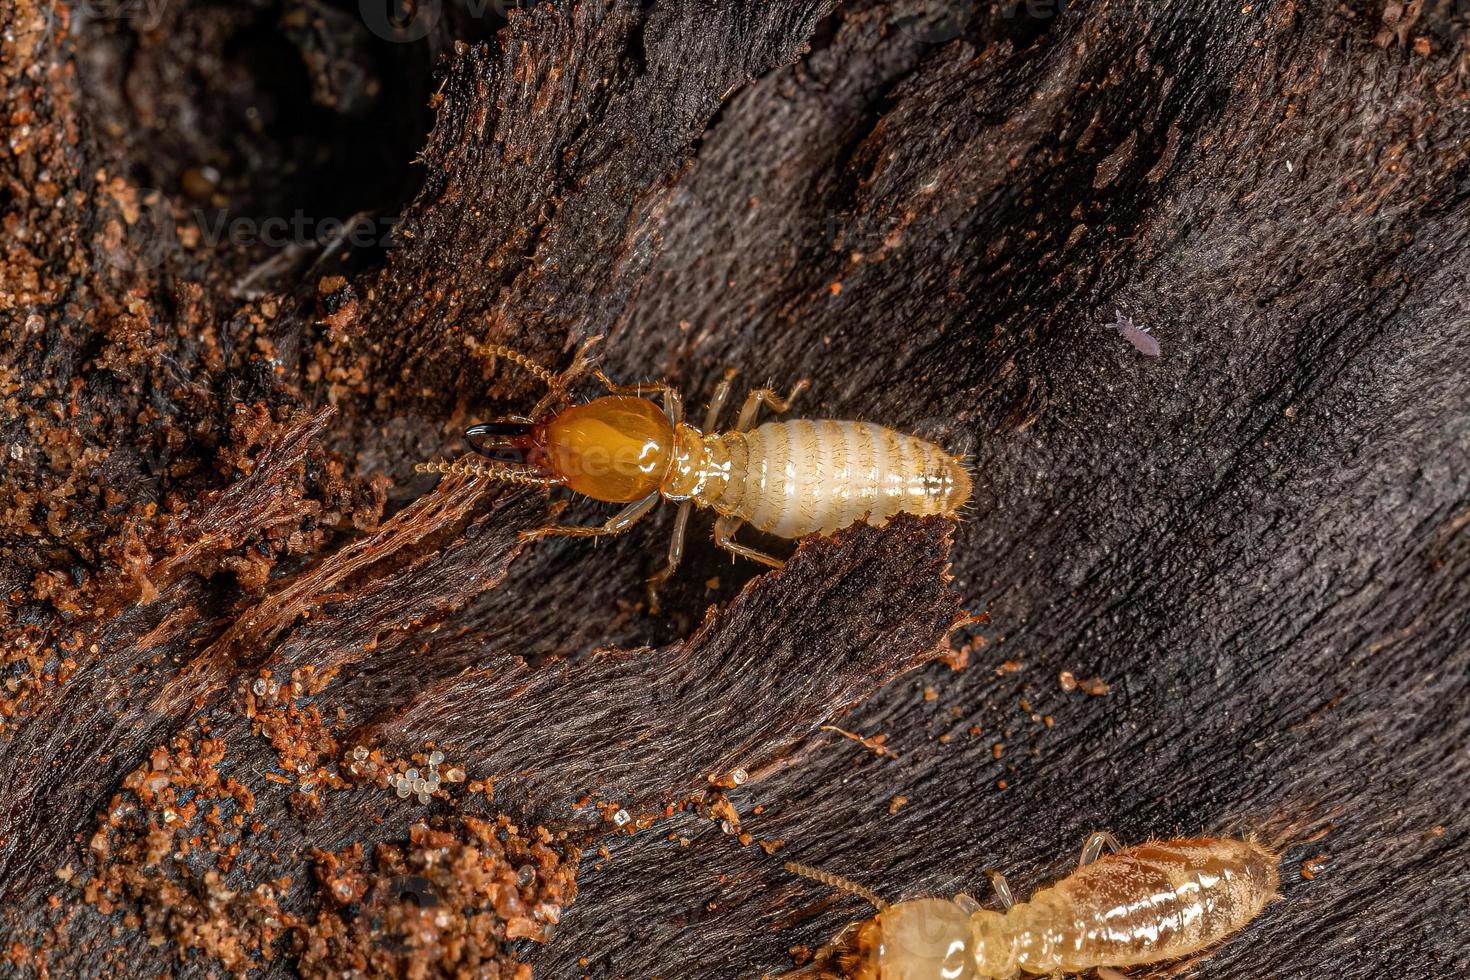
[1149, 903]
[790, 478]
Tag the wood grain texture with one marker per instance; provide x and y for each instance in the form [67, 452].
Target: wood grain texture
[1257, 540]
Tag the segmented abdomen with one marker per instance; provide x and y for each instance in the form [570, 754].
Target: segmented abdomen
[804, 476]
[1146, 904]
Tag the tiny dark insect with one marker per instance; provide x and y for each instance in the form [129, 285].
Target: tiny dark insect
[1138, 336]
[790, 478]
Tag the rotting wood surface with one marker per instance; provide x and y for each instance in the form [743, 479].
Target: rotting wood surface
[1228, 589]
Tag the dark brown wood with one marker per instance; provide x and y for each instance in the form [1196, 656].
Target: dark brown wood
[1228, 588]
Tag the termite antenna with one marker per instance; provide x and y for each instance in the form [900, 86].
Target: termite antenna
[558, 386]
[525, 363]
[474, 468]
[838, 883]
[560, 391]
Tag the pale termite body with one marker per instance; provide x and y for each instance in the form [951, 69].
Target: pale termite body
[1149, 903]
[788, 478]
[804, 477]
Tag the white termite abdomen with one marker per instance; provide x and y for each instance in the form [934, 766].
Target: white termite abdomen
[1144, 904]
[809, 476]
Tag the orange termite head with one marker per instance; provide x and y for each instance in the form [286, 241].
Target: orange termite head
[617, 449]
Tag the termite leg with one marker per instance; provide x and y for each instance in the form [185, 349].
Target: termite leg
[822, 958]
[1095, 843]
[967, 902]
[616, 524]
[575, 370]
[673, 401]
[717, 400]
[1108, 973]
[766, 396]
[1002, 889]
[681, 519]
[582, 361]
[725, 538]
[1179, 967]
[676, 554]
